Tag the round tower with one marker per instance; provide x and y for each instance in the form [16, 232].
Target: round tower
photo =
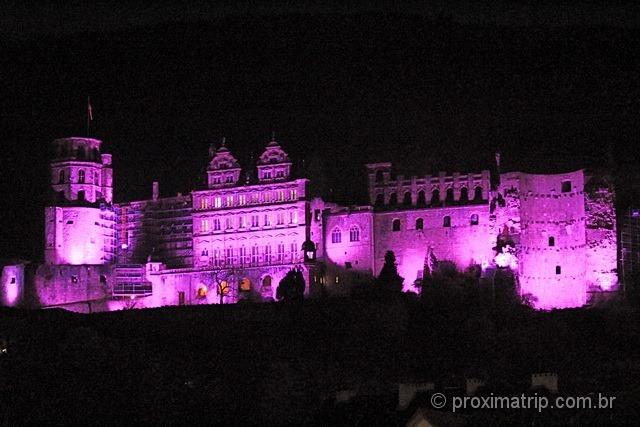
[79, 172]
[552, 260]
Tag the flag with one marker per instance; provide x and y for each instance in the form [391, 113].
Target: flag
[89, 109]
[498, 159]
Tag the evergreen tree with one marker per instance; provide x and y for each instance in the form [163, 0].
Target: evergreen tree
[291, 287]
[389, 280]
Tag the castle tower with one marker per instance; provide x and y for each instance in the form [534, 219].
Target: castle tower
[79, 225]
[223, 170]
[274, 164]
[79, 172]
[552, 264]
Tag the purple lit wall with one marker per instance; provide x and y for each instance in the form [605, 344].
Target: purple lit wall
[12, 285]
[553, 239]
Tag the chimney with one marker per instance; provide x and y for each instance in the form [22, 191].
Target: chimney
[155, 191]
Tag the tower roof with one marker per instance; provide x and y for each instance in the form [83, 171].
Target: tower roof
[273, 154]
[223, 159]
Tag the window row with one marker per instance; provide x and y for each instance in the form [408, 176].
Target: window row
[82, 177]
[435, 198]
[248, 221]
[396, 224]
[354, 234]
[252, 256]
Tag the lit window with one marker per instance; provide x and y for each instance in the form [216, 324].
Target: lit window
[552, 241]
[267, 197]
[81, 176]
[204, 225]
[566, 186]
[242, 199]
[227, 224]
[395, 225]
[280, 218]
[446, 221]
[294, 194]
[419, 224]
[217, 201]
[229, 200]
[245, 285]
[354, 234]
[293, 217]
[336, 235]
[474, 219]
[202, 292]
[204, 203]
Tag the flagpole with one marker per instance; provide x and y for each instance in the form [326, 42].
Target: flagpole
[89, 115]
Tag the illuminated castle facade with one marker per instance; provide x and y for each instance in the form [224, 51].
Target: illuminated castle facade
[239, 236]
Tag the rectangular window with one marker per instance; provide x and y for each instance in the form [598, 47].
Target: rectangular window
[566, 186]
[228, 259]
[242, 222]
[280, 218]
[280, 255]
[280, 195]
[229, 201]
[294, 194]
[216, 224]
[204, 225]
[558, 269]
[294, 252]
[254, 198]
[254, 255]
[254, 221]
[293, 217]
[267, 254]
[266, 196]
[204, 203]
[267, 220]
[227, 224]
[316, 214]
[217, 201]
[242, 200]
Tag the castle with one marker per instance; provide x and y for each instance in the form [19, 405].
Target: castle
[238, 237]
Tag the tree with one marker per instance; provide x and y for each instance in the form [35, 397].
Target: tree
[389, 281]
[222, 278]
[291, 287]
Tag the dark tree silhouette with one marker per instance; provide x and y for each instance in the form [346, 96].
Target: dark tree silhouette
[389, 281]
[291, 287]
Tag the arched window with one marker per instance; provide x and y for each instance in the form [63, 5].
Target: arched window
[61, 177]
[407, 199]
[552, 241]
[464, 195]
[477, 194]
[449, 197]
[446, 221]
[421, 200]
[419, 224]
[474, 219]
[393, 199]
[395, 225]
[379, 200]
[435, 197]
[336, 235]
[354, 234]
[379, 176]
[81, 176]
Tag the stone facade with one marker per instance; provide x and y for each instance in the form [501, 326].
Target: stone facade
[236, 238]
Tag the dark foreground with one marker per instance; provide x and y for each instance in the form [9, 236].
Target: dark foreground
[280, 364]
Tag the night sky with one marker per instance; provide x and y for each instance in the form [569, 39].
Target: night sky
[431, 89]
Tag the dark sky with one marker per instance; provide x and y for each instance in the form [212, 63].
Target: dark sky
[429, 88]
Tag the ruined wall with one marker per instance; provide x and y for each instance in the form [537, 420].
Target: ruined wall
[61, 285]
[552, 259]
[79, 235]
[602, 249]
[462, 243]
[12, 284]
[355, 246]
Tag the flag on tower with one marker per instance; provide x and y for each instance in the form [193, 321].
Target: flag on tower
[89, 109]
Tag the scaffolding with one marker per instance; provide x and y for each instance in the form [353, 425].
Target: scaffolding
[630, 244]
